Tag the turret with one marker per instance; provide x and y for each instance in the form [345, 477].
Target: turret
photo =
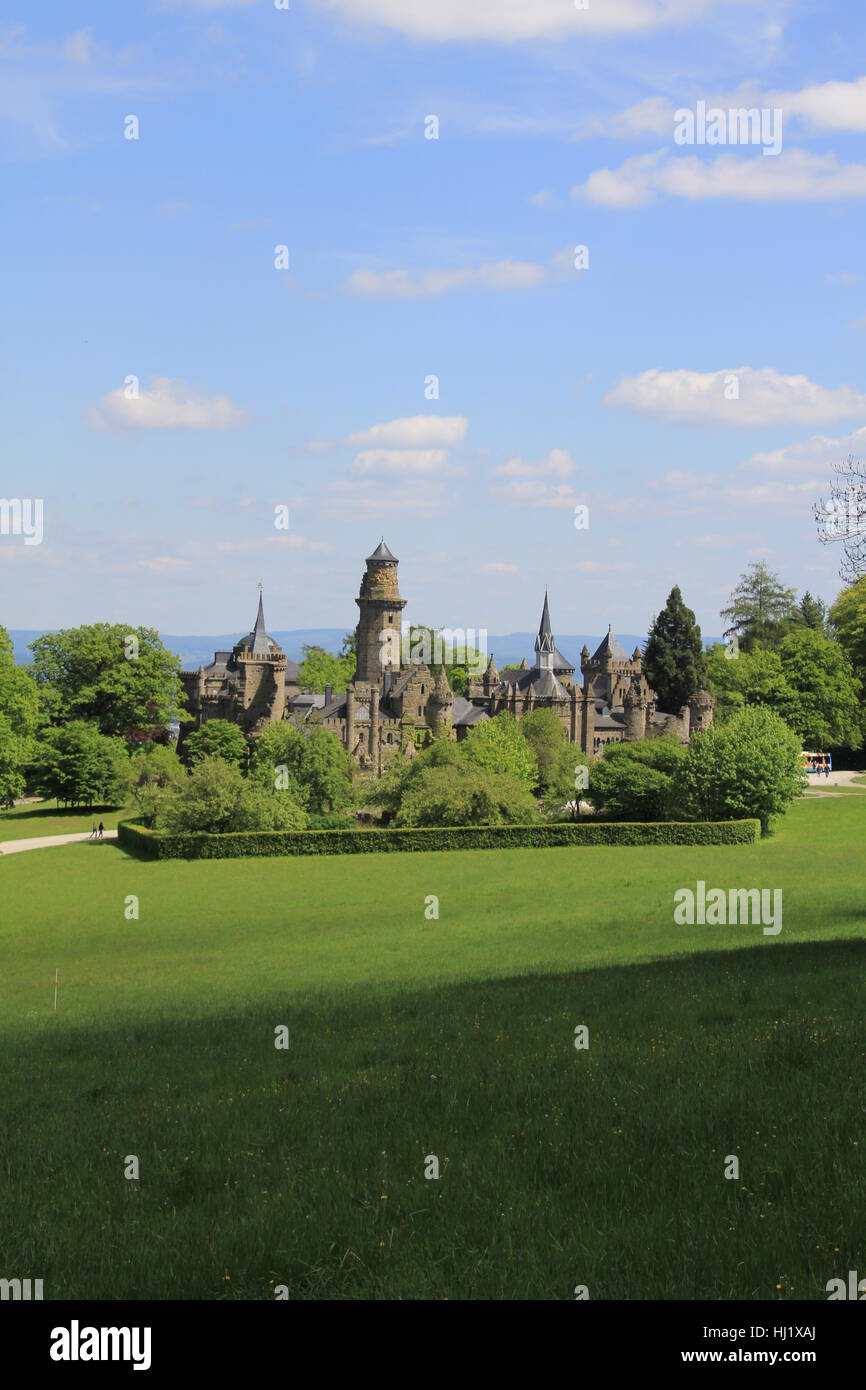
[379, 623]
[440, 706]
[545, 647]
[701, 708]
[634, 709]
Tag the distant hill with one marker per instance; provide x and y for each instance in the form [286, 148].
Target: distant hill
[506, 648]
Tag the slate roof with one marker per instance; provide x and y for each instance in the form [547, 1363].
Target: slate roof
[610, 644]
[465, 714]
[383, 553]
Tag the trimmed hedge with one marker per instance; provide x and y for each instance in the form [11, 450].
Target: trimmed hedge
[141, 840]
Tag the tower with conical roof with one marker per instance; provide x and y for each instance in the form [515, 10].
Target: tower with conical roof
[377, 636]
[545, 647]
[440, 705]
[261, 668]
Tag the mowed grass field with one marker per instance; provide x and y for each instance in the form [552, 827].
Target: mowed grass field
[32, 819]
[453, 1037]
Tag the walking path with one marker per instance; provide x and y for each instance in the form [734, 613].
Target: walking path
[817, 783]
[45, 841]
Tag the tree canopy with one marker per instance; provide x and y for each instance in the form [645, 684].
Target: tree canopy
[759, 603]
[673, 658]
[79, 765]
[120, 677]
[217, 738]
[319, 669]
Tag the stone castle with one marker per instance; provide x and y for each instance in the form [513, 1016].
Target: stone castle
[395, 705]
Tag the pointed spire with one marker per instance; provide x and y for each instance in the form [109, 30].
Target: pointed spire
[382, 553]
[260, 645]
[544, 641]
[442, 689]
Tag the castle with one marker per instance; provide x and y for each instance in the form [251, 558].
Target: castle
[394, 705]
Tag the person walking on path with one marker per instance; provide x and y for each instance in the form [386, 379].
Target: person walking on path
[101, 829]
[92, 835]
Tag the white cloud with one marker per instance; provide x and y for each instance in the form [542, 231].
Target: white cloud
[414, 431]
[499, 567]
[165, 564]
[425, 284]
[826, 105]
[652, 116]
[506, 21]
[405, 461]
[809, 455]
[695, 491]
[78, 46]
[166, 405]
[765, 397]
[793, 176]
[368, 497]
[557, 464]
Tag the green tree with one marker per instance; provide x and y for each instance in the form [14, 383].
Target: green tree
[464, 793]
[307, 761]
[319, 669]
[216, 800]
[387, 792]
[154, 770]
[848, 621]
[812, 612]
[557, 759]
[426, 644]
[673, 658]
[628, 790]
[20, 718]
[748, 767]
[217, 738]
[762, 608]
[807, 680]
[120, 677]
[80, 766]
[823, 705]
[498, 745]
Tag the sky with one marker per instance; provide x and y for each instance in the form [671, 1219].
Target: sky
[276, 282]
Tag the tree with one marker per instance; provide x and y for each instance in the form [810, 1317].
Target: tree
[748, 767]
[216, 800]
[319, 669]
[673, 658]
[308, 761]
[80, 766]
[387, 791]
[848, 620]
[843, 517]
[628, 790]
[807, 680]
[556, 758]
[498, 745]
[120, 677]
[154, 770]
[812, 612]
[823, 706]
[217, 738]
[437, 647]
[759, 603]
[20, 717]
[464, 793]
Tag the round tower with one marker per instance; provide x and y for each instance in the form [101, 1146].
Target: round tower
[440, 705]
[379, 623]
[634, 709]
[701, 708]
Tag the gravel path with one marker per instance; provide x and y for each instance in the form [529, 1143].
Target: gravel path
[45, 841]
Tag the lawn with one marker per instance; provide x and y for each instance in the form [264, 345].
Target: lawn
[453, 1037]
[50, 818]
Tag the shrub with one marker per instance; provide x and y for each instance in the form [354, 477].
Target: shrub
[749, 767]
[464, 794]
[498, 745]
[306, 761]
[215, 799]
[217, 738]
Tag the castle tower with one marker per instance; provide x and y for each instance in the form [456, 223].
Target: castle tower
[634, 709]
[545, 647]
[491, 677]
[261, 667]
[440, 706]
[701, 708]
[379, 623]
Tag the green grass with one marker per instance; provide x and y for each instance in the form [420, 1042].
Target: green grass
[50, 818]
[453, 1037]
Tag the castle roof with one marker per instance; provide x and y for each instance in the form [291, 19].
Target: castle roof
[382, 553]
[466, 714]
[258, 642]
[544, 641]
[547, 687]
[609, 646]
[442, 689]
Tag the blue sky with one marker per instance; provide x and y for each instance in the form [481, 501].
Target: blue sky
[260, 387]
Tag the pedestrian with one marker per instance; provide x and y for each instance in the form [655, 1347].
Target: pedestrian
[101, 829]
[827, 771]
[92, 835]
